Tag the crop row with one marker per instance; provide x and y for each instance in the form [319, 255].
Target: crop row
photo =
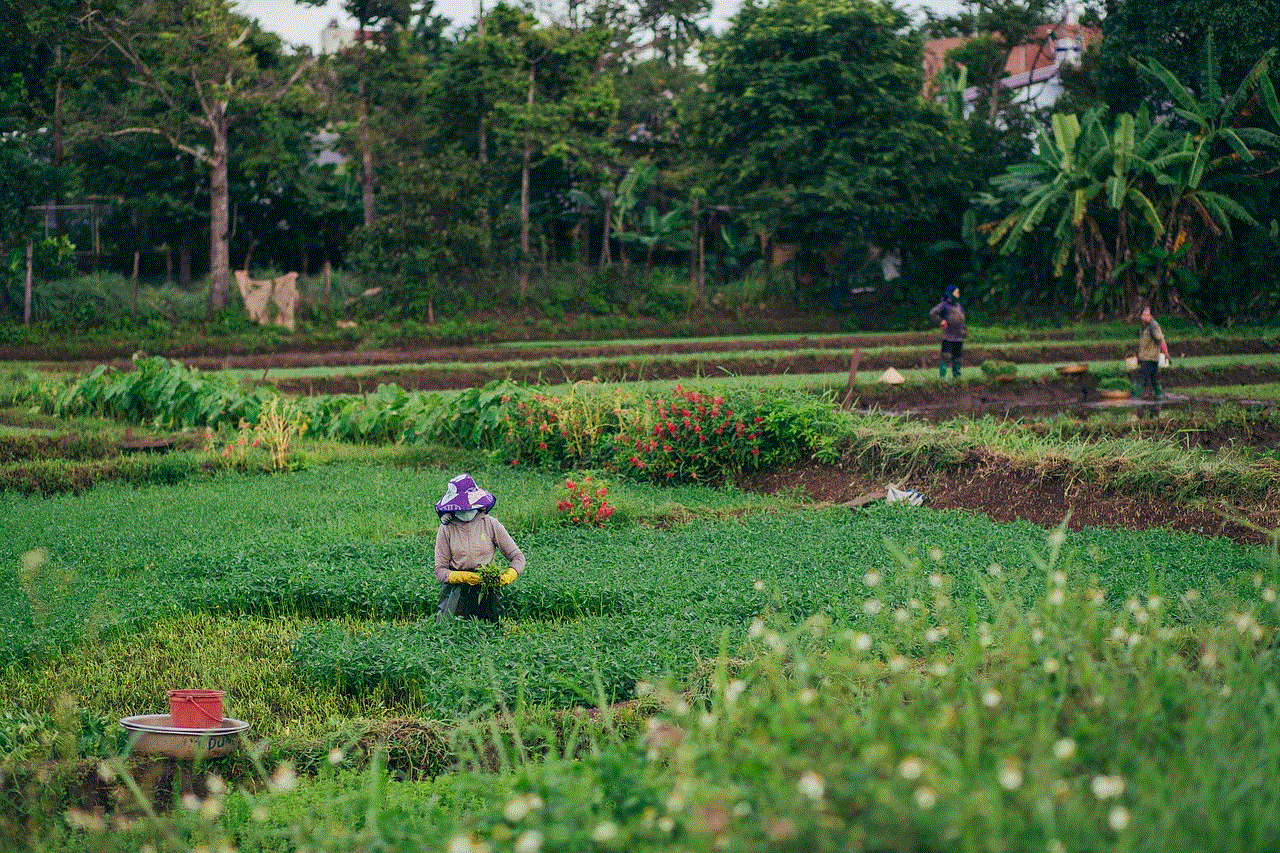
[610, 603]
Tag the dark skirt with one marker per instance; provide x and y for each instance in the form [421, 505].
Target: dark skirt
[469, 601]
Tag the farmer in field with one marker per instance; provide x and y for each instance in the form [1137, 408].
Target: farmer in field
[1151, 345]
[949, 316]
[466, 542]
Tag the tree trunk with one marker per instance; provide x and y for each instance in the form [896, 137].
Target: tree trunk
[59, 198]
[26, 290]
[219, 219]
[606, 257]
[366, 159]
[184, 256]
[524, 197]
[695, 256]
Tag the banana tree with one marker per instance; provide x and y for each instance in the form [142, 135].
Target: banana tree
[1084, 186]
[654, 230]
[1201, 167]
[631, 190]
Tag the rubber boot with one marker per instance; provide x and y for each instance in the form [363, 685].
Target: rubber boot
[955, 371]
[942, 370]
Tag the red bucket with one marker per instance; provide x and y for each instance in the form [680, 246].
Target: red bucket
[195, 709]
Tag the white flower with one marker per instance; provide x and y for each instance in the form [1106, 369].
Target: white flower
[806, 696]
[901, 614]
[1058, 578]
[758, 586]
[1064, 748]
[910, 767]
[285, 778]
[1269, 594]
[995, 570]
[925, 797]
[1154, 602]
[897, 663]
[1057, 538]
[991, 697]
[604, 832]
[666, 824]
[939, 669]
[1056, 597]
[1010, 775]
[862, 641]
[811, 785]
[935, 580]
[1037, 636]
[756, 628]
[1118, 819]
[733, 690]
[871, 606]
[871, 578]
[530, 841]
[1106, 787]
[211, 809]
[1050, 666]
[459, 844]
[1191, 595]
[337, 756]
[931, 635]
[935, 554]
[516, 810]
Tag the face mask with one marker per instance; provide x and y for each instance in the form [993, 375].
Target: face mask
[465, 515]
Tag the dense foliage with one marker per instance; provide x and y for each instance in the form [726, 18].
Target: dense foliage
[499, 162]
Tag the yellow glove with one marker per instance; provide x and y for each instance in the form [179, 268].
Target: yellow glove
[471, 578]
[508, 576]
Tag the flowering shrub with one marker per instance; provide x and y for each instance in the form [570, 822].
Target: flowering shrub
[545, 429]
[690, 436]
[585, 502]
[273, 435]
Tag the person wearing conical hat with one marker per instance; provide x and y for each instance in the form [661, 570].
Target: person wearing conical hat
[468, 539]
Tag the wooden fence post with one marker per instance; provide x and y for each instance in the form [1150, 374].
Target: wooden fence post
[855, 358]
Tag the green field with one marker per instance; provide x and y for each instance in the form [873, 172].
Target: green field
[819, 662]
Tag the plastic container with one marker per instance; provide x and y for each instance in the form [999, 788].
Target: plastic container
[195, 709]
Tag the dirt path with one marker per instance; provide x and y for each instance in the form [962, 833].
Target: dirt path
[471, 368]
[1010, 495]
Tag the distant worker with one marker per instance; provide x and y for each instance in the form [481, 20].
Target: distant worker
[950, 319]
[1151, 345]
[467, 540]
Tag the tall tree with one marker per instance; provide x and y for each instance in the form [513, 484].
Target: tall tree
[815, 116]
[195, 77]
[358, 62]
[1176, 35]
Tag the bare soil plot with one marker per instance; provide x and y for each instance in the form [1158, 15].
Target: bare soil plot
[1004, 494]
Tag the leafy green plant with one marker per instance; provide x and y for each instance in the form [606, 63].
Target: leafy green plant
[995, 368]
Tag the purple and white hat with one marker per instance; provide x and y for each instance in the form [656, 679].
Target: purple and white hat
[463, 494]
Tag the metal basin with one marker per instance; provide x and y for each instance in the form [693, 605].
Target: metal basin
[154, 734]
